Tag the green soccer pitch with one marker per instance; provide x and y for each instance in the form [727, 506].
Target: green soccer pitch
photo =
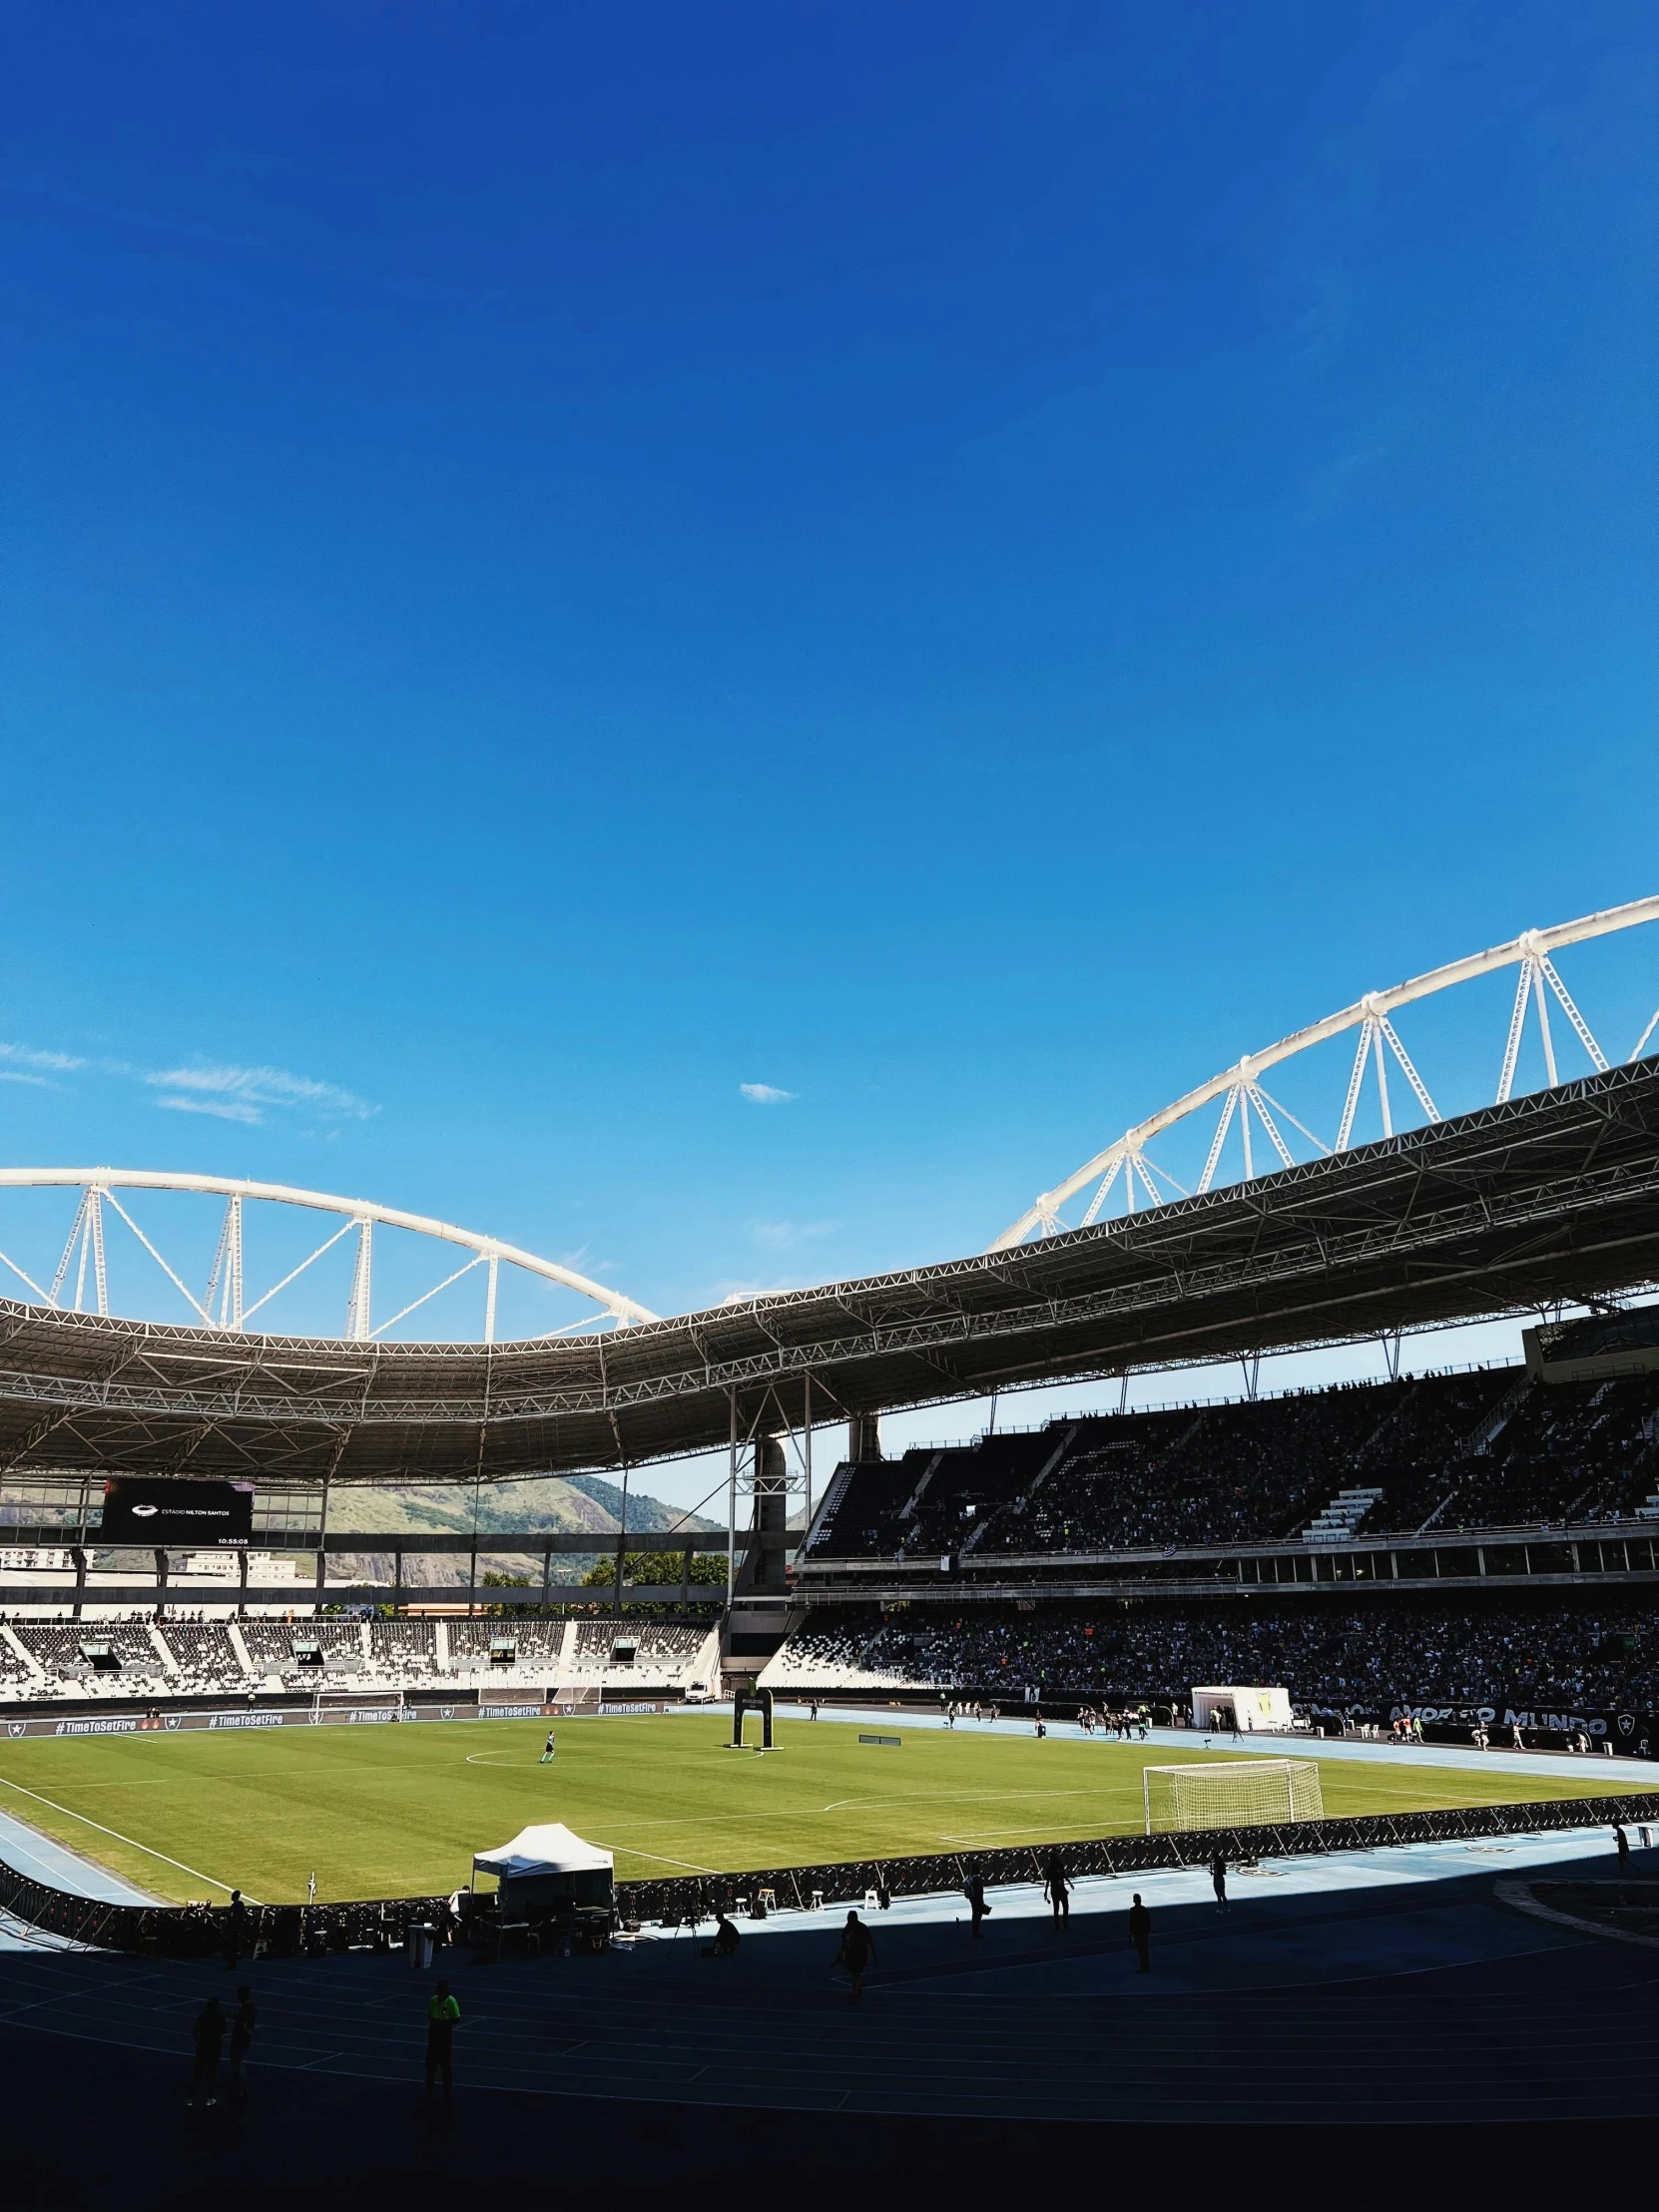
[399, 1811]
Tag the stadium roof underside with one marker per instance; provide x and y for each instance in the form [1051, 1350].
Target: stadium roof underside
[1547, 1197]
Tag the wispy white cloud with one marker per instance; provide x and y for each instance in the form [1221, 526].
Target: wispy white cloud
[783, 1236]
[257, 1088]
[765, 1094]
[224, 1090]
[222, 1109]
[21, 1055]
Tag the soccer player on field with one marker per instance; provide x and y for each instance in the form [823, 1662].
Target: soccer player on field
[546, 1758]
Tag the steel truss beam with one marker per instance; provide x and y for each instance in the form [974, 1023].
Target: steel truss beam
[225, 1285]
[1550, 1196]
[1238, 1087]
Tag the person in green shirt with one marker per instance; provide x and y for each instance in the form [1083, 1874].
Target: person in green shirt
[443, 2013]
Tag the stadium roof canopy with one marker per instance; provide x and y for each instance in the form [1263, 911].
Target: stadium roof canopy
[1555, 1196]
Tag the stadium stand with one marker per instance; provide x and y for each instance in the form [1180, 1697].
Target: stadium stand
[1491, 1448]
[536, 1644]
[1329, 1658]
[858, 1518]
[402, 1652]
[647, 1657]
[306, 1653]
[206, 1658]
[95, 1659]
[1021, 1526]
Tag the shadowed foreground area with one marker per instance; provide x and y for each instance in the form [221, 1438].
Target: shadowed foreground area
[1395, 1988]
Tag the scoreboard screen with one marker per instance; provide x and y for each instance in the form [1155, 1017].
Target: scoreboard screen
[211, 1515]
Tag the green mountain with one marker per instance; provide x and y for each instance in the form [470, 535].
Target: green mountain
[558, 1503]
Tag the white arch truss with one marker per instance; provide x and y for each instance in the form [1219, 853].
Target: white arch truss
[1244, 1099]
[223, 1305]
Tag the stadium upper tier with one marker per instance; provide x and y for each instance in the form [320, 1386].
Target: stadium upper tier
[1548, 1197]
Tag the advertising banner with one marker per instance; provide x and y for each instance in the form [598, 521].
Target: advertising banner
[1628, 1733]
[285, 1716]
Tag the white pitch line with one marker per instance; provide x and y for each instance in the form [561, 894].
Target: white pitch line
[949, 1797]
[130, 1841]
[657, 1858]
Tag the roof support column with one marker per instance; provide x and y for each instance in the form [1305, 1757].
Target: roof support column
[771, 1517]
[864, 1438]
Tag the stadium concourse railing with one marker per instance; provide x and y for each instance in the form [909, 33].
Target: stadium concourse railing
[380, 1924]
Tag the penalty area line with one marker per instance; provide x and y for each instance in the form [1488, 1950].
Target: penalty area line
[130, 1841]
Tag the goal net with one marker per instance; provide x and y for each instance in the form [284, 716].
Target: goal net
[357, 1705]
[1232, 1793]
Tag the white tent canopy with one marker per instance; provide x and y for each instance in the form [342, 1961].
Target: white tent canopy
[551, 1849]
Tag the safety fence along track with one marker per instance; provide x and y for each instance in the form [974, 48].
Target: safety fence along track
[379, 1923]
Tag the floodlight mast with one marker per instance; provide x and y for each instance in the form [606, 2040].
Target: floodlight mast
[222, 1305]
[1240, 1089]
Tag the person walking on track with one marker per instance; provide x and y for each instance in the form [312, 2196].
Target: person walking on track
[973, 1888]
[856, 1949]
[241, 2034]
[1140, 1934]
[209, 2037]
[443, 2013]
[1057, 1888]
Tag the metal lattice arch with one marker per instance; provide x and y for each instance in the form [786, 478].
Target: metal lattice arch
[81, 1282]
[1125, 1166]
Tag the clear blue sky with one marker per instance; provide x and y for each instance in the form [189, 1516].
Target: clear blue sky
[966, 563]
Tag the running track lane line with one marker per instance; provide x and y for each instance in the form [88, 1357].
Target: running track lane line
[131, 1842]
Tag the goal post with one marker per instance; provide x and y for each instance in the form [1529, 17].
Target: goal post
[354, 1705]
[1232, 1793]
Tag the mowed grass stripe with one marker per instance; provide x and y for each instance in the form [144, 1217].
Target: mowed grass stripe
[385, 1812]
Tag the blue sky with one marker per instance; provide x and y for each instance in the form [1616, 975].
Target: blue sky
[961, 563]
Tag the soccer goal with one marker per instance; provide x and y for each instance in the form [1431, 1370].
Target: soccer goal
[1232, 1793]
[357, 1705]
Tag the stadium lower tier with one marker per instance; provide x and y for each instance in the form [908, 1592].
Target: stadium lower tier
[44, 1661]
[1366, 1661]
[1491, 1448]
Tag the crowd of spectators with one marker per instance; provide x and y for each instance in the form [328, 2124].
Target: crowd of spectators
[1326, 1657]
[1484, 1449]
[962, 1489]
